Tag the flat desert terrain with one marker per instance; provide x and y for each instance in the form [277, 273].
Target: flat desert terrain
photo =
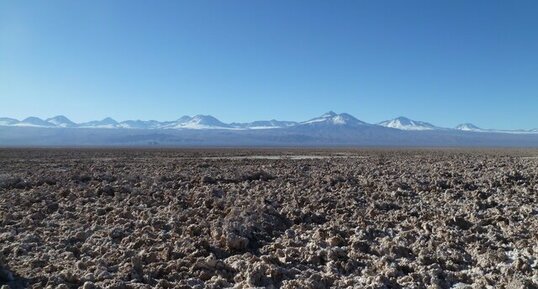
[287, 218]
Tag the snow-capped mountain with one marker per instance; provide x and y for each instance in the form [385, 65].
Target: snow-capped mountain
[197, 122]
[34, 122]
[61, 121]
[204, 121]
[473, 128]
[326, 121]
[405, 123]
[468, 127]
[104, 123]
[140, 124]
[264, 124]
[329, 129]
[332, 118]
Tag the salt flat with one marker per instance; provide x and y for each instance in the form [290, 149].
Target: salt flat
[342, 218]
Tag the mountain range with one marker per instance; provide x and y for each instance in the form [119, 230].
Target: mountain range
[329, 129]
[202, 122]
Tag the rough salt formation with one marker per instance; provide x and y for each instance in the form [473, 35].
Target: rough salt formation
[177, 219]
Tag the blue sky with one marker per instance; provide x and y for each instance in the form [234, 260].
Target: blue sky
[446, 62]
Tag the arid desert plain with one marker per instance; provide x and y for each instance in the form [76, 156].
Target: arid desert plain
[268, 218]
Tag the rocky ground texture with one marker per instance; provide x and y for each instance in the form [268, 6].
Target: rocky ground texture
[314, 219]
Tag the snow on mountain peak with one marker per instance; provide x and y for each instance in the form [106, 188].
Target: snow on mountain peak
[264, 124]
[104, 123]
[332, 118]
[140, 124]
[199, 121]
[329, 114]
[61, 121]
[468, 127]
[326, 120]
[404, 123]
[205, 119]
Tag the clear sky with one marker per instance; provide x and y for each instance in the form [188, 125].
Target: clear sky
[445, 62]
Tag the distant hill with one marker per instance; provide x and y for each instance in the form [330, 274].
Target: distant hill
[329, 129]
